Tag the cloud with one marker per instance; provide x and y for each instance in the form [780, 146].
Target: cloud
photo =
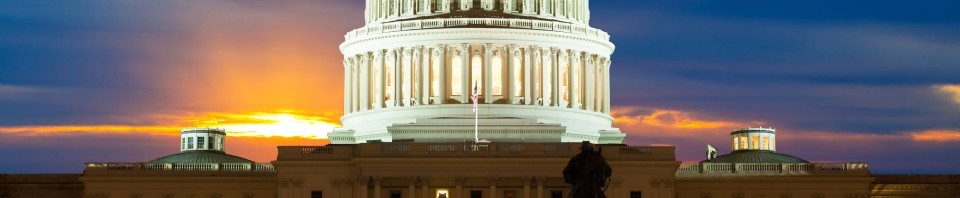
[950, 89]
[936, 135]
[11, 90]
[639, 116]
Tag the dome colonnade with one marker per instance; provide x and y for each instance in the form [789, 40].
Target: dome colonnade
[417, 59]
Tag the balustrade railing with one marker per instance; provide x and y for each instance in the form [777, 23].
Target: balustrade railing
[579, 29]
[706, 169]
[146, 166]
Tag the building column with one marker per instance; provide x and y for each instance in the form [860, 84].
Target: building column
[527, 65]
[487, 73]
[535, 80]
[376, 187]
[409, 60]
[362, 183]
[588, 83]
[412, 187]
[364, 81]
[424, 188]
[459, 189]
[555, 73]
[381, 88]
[546, 77]
[512, 75]
[424, 66]
[571, 79]
[598, 85]
[526, 186]
[355, 86]
[441, 54]
[346, 86]
[606, 85]
[493, 187]
[397, 76]
[540, 181]
[465, 85]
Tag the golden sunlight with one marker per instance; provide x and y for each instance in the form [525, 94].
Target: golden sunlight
[952, 90]
[258, 124]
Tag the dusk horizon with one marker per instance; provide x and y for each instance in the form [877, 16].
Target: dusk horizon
[840, 81]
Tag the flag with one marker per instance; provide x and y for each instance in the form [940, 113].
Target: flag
[474, 97]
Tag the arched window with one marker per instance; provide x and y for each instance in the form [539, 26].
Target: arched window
[497, 75]
[435, 75]
[456, 75]
[476, 73]
[518, 76]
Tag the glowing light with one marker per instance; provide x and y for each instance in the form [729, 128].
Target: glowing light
[936, 135]
[261, 124]
[952, 90]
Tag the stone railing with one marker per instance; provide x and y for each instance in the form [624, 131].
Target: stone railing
[578, 29]
[468, 150]
[693, 169]
[202, 168]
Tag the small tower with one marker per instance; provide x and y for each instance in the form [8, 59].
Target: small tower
[754, 138]
[202, 139]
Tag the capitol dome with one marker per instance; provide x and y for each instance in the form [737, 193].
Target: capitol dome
[540, 71]
[201, 145]
[755, 156]
[201, 157]
[752, 145]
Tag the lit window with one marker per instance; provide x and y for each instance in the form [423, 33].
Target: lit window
[476, 74]
[564, 67]
[755, 142]
[497, 75]
[766, 142]
[735, 145]
[547, 77]
[518, 73]
[743, 141]
[405, 78]
[456, 77]
[435, 77]
[388, 71]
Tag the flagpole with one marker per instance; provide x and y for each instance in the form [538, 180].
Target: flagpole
[476, 114]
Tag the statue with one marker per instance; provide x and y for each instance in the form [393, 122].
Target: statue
[588, 172]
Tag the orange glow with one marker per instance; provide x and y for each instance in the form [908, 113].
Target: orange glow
[259, 124]
[936, 135]
[666, 118]
[952, 90]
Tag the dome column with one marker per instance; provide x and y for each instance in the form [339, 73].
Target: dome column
[512, 75]
[555, 77]
[364, 81]
[535, 71]
[526, 75]
[487, 73]
[346, 86]
[606, 85]
[588, 88]
[441, 56]
[381, 78]
[423, 75]
[465, 84]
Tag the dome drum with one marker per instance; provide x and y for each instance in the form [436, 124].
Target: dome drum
[380, 11]
[754, 138]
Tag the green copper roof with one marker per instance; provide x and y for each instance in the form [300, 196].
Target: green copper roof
[201, 157]
[755, 156]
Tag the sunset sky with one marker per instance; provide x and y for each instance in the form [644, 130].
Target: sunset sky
[841, 80]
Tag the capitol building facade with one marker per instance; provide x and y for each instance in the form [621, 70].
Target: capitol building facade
[541, 75]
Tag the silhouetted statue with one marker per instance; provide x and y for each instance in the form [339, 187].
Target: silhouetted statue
[587, 172]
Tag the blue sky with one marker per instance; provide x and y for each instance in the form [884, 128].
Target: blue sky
[868, 81]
